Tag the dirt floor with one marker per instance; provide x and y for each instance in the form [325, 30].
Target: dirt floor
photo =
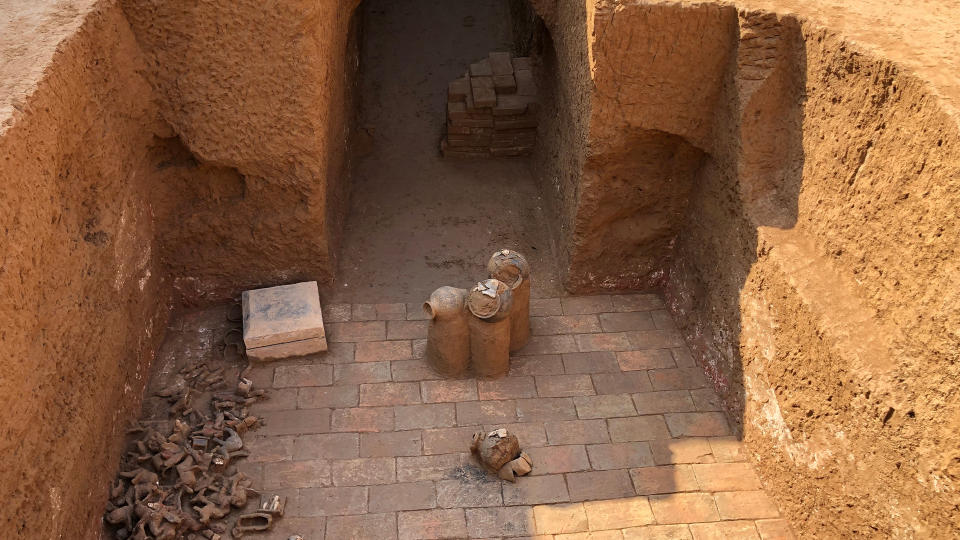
[418, 221]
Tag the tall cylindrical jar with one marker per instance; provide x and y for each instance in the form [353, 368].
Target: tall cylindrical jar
[448, 333]
[489, 305]
[513, 270]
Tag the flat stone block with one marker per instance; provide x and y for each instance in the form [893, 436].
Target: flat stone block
[287, 350]
[282, 314]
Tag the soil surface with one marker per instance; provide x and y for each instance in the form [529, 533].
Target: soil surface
[418, 221]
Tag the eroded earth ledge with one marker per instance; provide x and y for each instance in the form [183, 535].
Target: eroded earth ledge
[786, 174]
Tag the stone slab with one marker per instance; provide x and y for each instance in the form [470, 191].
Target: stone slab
[282, 314]
[290, 349]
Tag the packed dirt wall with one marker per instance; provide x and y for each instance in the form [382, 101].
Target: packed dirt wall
[267, 92]
[150, 159]
[84, 300]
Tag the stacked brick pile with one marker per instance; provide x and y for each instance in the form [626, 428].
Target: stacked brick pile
[492, 109]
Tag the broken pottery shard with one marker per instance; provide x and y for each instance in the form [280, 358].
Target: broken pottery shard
[287, 318]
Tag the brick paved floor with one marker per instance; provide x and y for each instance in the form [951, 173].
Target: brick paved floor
[626, 435]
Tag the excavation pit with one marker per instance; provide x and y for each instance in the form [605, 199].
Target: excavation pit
[738, 216]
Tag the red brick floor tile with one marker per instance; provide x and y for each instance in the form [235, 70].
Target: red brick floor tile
[269, 449]
[544, 307]
[602, 342]
[436, 467]
[626, 321]
[545, 409]
[635, 302]
[564, 385]
[590, 362]
[686, 450]
[746, 505]
[726, 477]
[412, 370]
[684, 508]
[591, 535]
[388, 394]
[336, 313]
[407, 329]
[682, 356]
[356, 331]
[500, 522]
[295, 422]
[281, 399]
[363, 312]
[701, 424]
[415, 312]
[391, 312]
[664, 479]
[305, 375]
[449, 390]
[655, 339]
[390, 444]
[326, 446]
[507, 388]
[727, 449]
[309, 527]
[541, 345]
[678, 379]
[469, 492]
[339, 396]
[530, 434]
[433, 415]
[544, 364]
[644, 360]
[335, 501]
[364, 471]
[658, 532]
[706, 399]
[339, 353]
[529, 490]
[724, 530]
[449, 440]
[774, 529]
[663, 401]
[596, 485]
[432, 524]
[471, 413]
[383, 351]
[639, 428]
[363, 419]
[662, 320]
[618, 513]
[619, 455]
[357, 373]
[579, 305]
[577, 432]
[558, 459]
[362, 527]
[560, 518]
[296, 474]
[564, 324]
[606, 406]
[403, 496]
[626, 382]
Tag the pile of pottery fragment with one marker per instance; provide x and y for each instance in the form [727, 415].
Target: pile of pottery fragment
[185, 483]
